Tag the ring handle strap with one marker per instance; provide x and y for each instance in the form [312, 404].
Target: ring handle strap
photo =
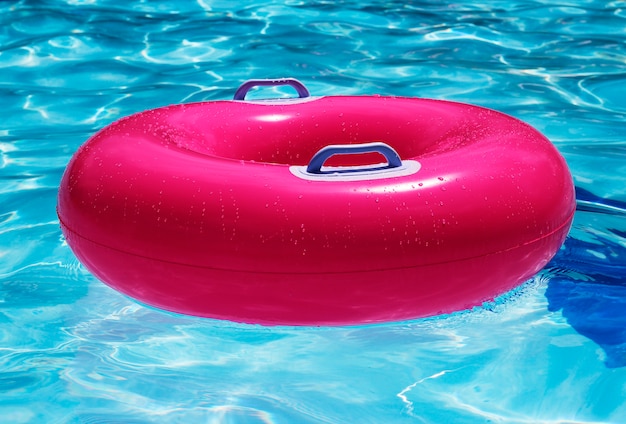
[243, 89]
[319, 158]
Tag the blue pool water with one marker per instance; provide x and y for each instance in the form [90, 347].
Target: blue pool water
[74, 351]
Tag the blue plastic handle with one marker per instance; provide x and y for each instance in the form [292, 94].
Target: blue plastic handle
[241, 92]
[318, 159]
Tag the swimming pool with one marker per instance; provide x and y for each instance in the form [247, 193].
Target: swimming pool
[73, 350]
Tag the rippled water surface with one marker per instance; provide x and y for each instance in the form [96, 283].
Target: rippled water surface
[74, 351]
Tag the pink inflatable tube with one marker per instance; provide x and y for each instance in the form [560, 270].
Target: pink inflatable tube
[316, 211]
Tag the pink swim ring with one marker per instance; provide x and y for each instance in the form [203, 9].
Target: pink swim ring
[316, 210]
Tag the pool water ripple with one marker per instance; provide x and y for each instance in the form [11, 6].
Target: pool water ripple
[74, 351]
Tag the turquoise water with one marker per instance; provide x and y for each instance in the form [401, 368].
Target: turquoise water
[74, 351]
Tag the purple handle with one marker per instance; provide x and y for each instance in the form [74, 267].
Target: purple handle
[241, 92]
[393, 159]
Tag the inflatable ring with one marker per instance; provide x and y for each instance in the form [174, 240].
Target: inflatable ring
[316, 210]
